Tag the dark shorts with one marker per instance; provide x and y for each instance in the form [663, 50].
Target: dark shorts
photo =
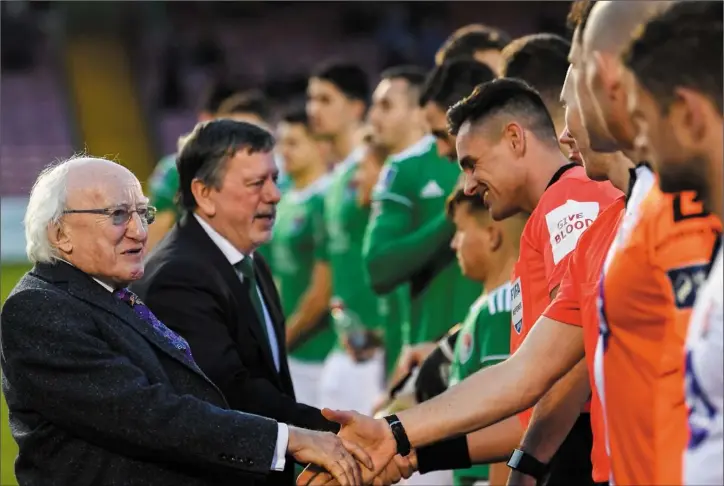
[571, 465]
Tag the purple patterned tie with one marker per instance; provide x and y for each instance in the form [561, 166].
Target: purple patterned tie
[145, 313]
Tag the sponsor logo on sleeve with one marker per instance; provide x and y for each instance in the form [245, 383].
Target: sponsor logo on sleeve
[516, 299]
[685, 283]
[566, 223]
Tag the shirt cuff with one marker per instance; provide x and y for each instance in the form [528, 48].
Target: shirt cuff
[279, 460]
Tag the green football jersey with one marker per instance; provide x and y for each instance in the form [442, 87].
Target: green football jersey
[297, 244]
[345, 222]
[408, 240]
[484, 340]
[163, 185]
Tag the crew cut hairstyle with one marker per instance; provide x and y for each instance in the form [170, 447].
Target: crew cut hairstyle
[252, 101]
[509, 97]
[454, 80]
[541, 60]
[347, 77]
[681, 47]
[457, 197]
[205, 152]
[466, 40]
[578, 17]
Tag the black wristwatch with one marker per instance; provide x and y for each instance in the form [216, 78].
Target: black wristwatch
[527, 464]
[398, 431]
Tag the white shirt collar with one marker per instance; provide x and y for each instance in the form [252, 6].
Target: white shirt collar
[230, 252]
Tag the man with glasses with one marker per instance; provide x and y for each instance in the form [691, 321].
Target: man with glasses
[99, 390]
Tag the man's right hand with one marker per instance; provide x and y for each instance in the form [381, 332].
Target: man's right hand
[336, 455]
[372, 434]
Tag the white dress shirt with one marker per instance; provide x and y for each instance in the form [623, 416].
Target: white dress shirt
[235, 256]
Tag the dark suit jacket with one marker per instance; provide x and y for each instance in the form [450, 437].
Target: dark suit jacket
[192, 288]
[98, 397]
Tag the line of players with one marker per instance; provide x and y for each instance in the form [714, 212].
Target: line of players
[606, 258]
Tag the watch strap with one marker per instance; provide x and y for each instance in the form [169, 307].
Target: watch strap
[527, 464]
[398, 431]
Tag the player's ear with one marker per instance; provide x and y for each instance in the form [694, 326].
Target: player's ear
[688, 116]
[515, 135]
[495, 238]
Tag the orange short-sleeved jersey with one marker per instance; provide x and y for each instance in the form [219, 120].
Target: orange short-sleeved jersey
[569, 205]
[647, 293]
[575, 304]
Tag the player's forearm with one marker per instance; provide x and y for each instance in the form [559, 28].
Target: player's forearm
[312, 306]
[495, 443]
[495, 393]
[556, 413]
[392, 261]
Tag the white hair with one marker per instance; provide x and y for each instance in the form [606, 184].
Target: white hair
[45, 208]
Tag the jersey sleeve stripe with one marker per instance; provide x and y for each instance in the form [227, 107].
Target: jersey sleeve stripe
[396, 198]
[494, 357]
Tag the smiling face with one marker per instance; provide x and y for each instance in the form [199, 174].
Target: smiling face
[243, 208]
[493, 167]
[111, 251]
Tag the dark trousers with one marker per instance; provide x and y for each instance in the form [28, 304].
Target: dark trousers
[571, 465]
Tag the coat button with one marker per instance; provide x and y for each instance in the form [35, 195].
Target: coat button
[223, 457]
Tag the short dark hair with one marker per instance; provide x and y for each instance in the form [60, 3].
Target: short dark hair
[681, 47]
[470, 38]
[214, 93]
[458, 197]
[505, 96]
[541, 60]
[349, 78]
[252, 101]
[578, 16]
[454, 80]
[414, 75]
[205, 152]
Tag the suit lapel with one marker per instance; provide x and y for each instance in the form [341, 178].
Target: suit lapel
[82, 287]
[239, 290]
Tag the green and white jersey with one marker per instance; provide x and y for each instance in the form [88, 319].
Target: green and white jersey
[484, 340]
[297, 244]
[345, 222]
[163, 185]
[408, 240]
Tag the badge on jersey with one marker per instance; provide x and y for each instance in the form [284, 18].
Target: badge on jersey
[350, 190]
[516, 302]
[566, 223]
[298, 223]
[685, 283]
[466, 348]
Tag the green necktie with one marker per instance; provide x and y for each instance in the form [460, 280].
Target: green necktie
[246, 268]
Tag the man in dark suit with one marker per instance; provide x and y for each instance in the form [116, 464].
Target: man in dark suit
[99, 391]
[205, 281]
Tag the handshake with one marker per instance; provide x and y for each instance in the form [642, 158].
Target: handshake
[364, 452]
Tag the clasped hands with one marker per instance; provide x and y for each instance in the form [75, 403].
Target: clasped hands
[374, 437]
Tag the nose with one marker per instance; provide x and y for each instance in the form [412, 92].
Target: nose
[470, 186]
[136, 229]
[454, 241]
[566, 138]
[272, 194]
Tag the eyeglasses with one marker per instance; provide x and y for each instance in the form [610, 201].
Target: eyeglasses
[120, 216]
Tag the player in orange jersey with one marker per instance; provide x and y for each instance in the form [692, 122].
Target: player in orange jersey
[678, 115]
[660, 252]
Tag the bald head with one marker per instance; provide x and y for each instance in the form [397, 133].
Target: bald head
[97, 179]
[612, 23]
